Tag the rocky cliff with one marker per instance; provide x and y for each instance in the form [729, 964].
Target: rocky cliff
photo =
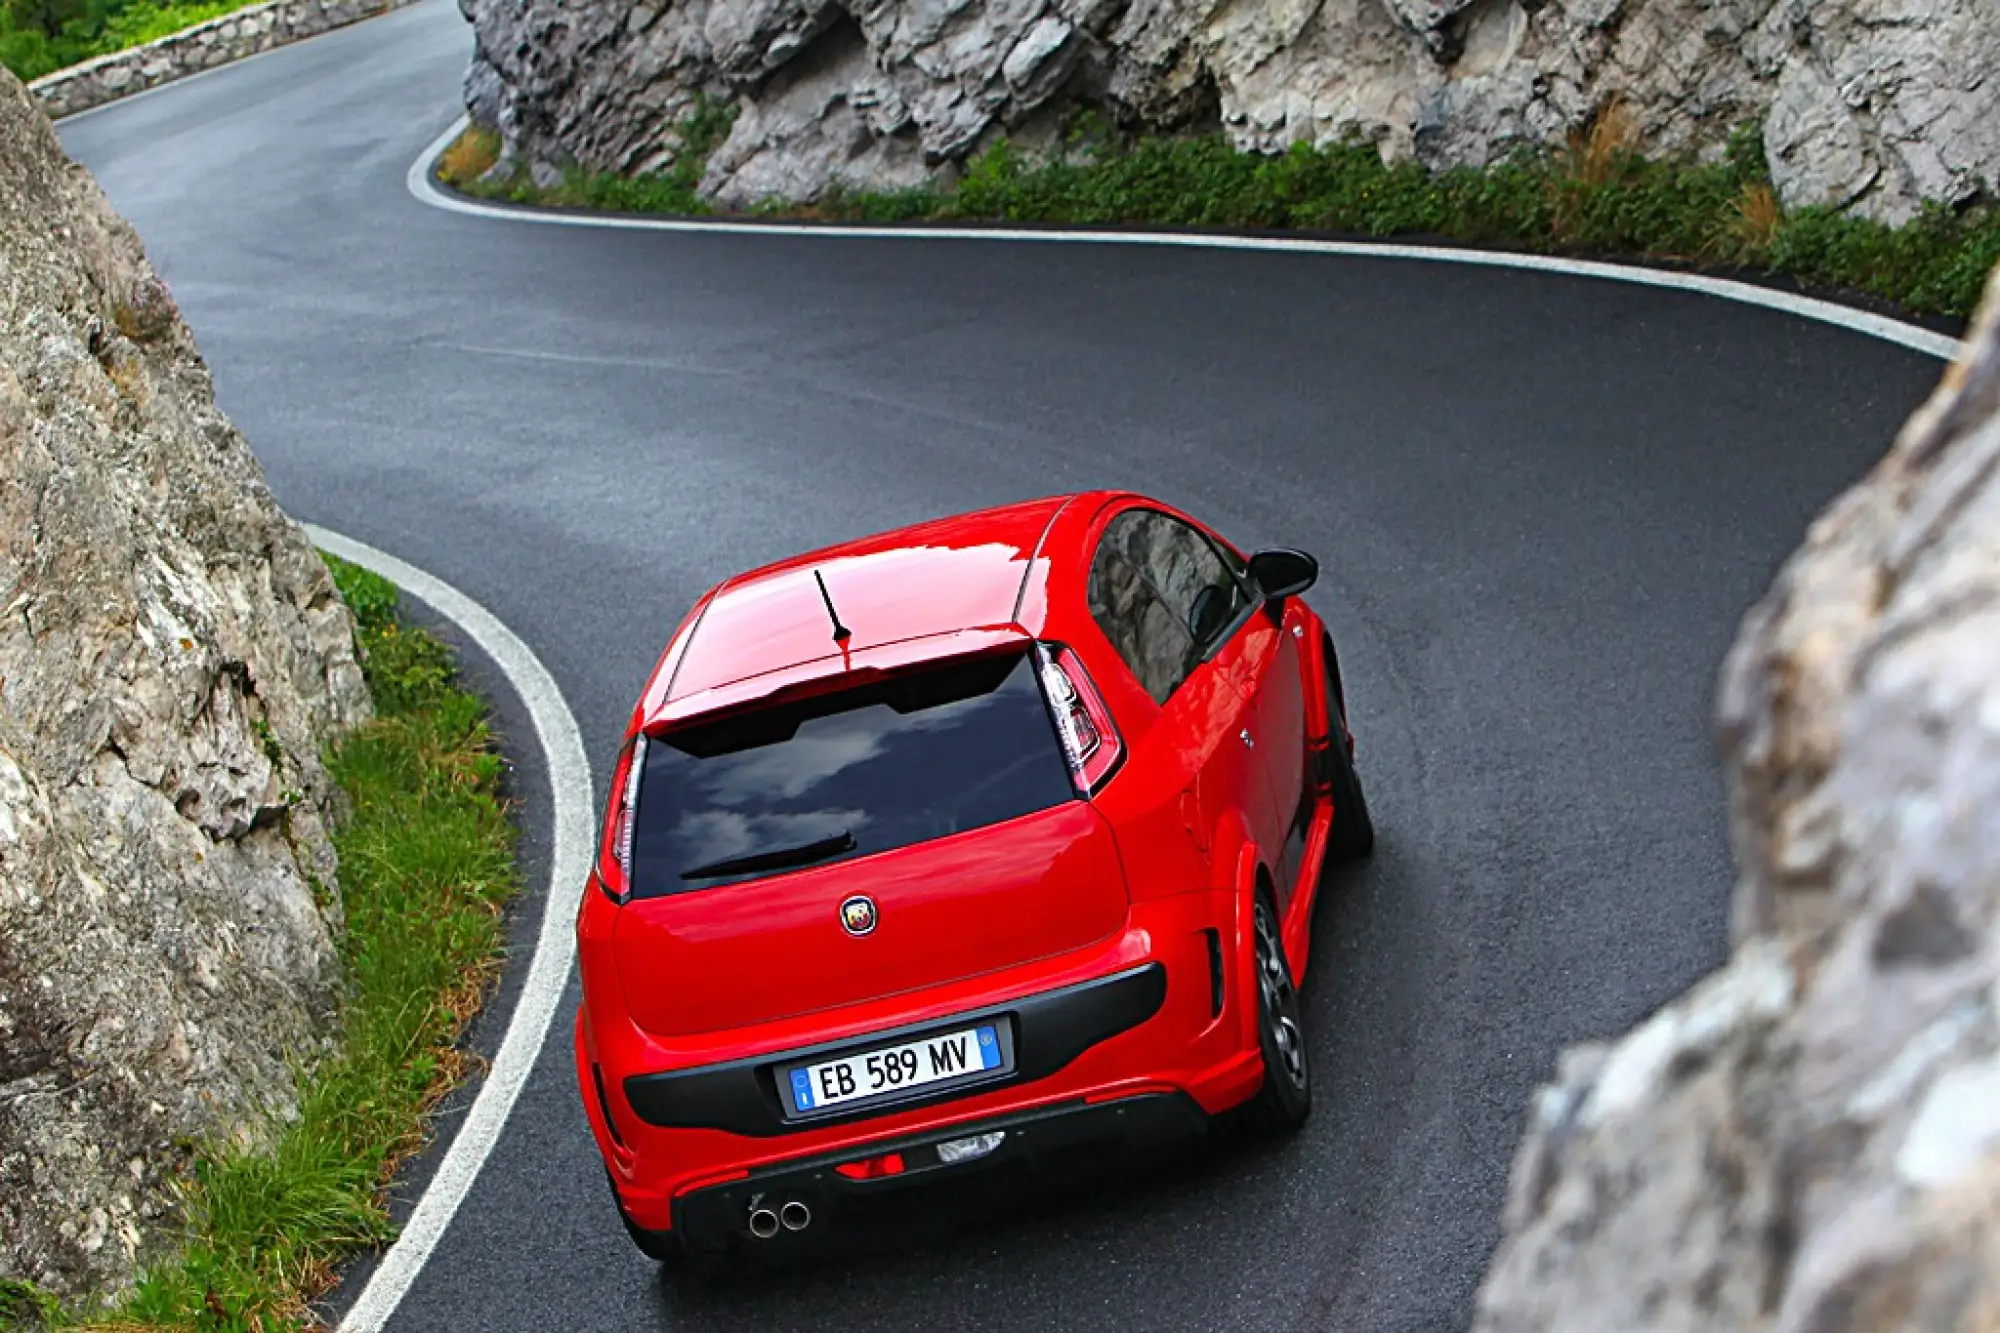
[1809, 1141]
[173, 655]
[1872, 105]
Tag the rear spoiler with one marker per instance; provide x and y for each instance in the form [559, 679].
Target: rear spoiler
[835, 671]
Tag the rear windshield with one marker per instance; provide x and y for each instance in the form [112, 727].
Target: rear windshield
[919, 756]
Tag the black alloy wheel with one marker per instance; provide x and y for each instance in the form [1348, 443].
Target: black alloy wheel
[1285, 1100]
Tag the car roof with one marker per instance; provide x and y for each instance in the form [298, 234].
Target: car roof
[960, 582]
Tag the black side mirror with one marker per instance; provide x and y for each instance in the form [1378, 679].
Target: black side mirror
[1280, 572]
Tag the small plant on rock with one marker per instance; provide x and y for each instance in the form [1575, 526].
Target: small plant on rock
[471, 155]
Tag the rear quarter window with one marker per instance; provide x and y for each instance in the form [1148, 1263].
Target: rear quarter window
[920, 756]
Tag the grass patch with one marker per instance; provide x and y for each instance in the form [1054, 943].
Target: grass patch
[142, 23]
[1593, 196]
[23, 1305]
[426, 863]
[669, 191]
[470, 156]
[39, 37]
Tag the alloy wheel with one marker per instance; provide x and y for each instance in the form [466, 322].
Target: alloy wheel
[1280, 1001]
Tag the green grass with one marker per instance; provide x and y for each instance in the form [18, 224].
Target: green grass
[671, 191]
[23, 1305]
[55, 37]
[144, 23]
[426, 863]
[1592, 197]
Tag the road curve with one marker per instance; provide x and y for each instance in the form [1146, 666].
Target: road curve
[1542, 504]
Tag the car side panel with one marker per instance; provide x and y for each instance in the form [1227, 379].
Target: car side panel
[1186, 768]
[1187, 774]
[1278, 705]
[1324, 727]
[1257, 663]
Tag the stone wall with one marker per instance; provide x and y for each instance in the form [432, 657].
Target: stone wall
[173, 658]
[216, 42]
[1809, 1141]
[1873, 105]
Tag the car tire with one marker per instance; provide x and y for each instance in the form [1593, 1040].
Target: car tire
[1352, 837]
[1284, 1100]
[662, 1247]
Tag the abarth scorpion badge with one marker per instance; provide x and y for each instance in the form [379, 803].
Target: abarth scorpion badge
[857, 915]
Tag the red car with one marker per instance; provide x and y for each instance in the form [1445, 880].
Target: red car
[982, 846]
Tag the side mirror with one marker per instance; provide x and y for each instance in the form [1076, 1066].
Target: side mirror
[1280, 572]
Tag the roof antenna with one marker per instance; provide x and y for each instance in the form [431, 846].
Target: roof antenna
[840, 632]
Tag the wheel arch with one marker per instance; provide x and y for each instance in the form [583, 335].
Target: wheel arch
[1251, 880]
[1331, 661]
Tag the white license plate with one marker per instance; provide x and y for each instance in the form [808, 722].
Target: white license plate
[892, 1069]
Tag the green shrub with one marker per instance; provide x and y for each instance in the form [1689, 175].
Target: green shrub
[137, 24]
[38, 37]
[23, 1305]
[671, 191]
[372, 598]
[1939, 261]
[50, 17]
[26, 51]
[1590, 196]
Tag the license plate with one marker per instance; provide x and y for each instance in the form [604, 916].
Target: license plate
[915, 1064]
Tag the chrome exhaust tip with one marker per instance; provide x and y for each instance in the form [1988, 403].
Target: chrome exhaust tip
[763, 1223]
[796, 1216]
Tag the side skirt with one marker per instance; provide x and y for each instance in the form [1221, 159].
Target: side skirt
[1296, 928]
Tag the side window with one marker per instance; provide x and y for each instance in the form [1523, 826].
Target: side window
[1138, 623]
[1162, 593]
[1197, 587]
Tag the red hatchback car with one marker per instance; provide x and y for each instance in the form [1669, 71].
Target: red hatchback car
[986, 845]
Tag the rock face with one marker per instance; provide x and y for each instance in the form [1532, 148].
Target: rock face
[1809, 1141]
[173, 655]
[1872, 105]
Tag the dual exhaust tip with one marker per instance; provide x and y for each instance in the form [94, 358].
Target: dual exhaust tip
[792, 1216]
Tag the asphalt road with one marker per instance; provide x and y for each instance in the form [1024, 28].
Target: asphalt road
[1542, 504]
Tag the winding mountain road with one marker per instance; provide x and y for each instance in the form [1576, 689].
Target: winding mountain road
[1542, 504]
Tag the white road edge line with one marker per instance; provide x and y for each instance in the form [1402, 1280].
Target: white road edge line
[1897, 331]
[555, 948]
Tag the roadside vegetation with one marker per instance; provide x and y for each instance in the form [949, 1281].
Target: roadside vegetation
[25, 1306]
[426, 865]
[1592, 197]
[39, 37]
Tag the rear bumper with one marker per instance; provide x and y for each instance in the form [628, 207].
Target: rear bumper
[1049, 1030]
[1051, 1142]
[1140, 1014]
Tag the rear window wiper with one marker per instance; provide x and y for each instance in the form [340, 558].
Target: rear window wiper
[780, 859]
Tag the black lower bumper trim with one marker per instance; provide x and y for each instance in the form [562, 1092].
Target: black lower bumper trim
[1049, 1030]
[1052, 1142]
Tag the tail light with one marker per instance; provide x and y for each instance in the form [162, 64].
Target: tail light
[1089, 738]
[614, 855]
[873, 1168]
